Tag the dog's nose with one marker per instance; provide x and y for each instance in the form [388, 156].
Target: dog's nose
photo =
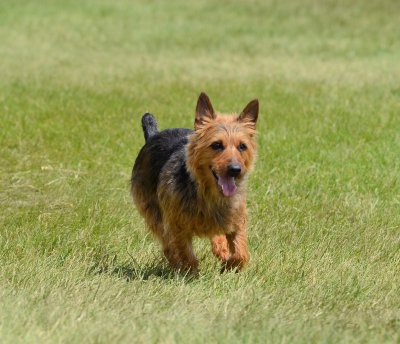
[234, 170]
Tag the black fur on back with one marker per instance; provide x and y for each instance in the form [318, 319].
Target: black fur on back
[157, 150]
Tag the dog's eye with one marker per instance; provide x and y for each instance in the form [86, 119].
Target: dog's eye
[218, 146]
[242, 147]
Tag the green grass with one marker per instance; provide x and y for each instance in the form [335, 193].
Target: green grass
[76, 262]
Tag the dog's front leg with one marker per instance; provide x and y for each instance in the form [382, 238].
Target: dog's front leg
[219, 247]
[237, 243]
[178, 250]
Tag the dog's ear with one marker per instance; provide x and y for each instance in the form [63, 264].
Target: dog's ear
[250, 113]
[204, 110]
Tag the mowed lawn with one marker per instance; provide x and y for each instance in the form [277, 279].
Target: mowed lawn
[77, 264]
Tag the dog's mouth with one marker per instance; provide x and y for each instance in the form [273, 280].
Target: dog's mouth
[226, 184]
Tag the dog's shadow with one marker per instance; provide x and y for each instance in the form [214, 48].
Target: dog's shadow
[131, 270]
[146, 272]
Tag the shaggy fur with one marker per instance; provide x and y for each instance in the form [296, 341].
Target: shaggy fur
[187, 183]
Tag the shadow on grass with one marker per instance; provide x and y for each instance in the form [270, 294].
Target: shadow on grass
[132, 270]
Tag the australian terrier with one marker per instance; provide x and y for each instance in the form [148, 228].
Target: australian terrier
[187, 183]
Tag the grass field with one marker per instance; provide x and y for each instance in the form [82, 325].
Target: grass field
[76, 262]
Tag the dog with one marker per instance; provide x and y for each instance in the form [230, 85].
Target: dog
[189, 183]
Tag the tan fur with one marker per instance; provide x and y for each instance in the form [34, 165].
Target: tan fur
[221, 219]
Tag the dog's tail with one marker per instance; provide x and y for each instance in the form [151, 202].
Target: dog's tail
[149, 125]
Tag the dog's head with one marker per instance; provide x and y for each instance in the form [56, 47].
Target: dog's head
[222, 149]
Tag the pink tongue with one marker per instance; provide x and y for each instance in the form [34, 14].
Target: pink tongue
[228, 185]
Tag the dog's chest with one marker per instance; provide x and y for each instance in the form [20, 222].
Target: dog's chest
[211, 222]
